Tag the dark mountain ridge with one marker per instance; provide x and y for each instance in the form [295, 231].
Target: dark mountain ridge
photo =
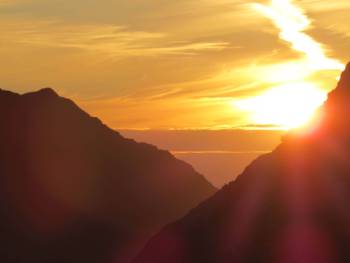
[289, 206]
[73, 190]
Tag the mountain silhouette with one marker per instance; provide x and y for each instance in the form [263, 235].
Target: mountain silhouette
[289, 206]
[74, 190]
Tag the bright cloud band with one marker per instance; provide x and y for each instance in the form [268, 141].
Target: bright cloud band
[292, 23]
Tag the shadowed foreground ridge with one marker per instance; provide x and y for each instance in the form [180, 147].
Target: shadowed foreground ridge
[289, 206]
[73, 190]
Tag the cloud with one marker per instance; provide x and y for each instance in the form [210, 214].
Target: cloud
[293, 23]
[116, 41]
[326, 6]
[217, 152]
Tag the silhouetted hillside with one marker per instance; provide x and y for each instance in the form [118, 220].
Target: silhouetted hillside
[291, 205]
[73, 190]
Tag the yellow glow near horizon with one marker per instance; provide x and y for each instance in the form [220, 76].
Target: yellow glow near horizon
[288, 106]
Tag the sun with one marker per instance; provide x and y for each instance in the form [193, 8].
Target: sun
[287, 106]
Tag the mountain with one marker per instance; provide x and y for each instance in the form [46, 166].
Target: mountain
[291, 205]
[74, 190]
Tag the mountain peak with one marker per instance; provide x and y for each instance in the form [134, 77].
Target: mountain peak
[344, 82]
[336, 107]
[77, 184]
[47, 92]
[7, 93]
[290, 205]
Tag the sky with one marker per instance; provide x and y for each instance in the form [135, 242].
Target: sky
[186, 64]
[145, 66]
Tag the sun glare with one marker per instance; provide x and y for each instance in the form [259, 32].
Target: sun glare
[287, 106]
[294, 103]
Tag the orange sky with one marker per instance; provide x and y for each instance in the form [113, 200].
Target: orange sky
[186, 64]
[184, 72]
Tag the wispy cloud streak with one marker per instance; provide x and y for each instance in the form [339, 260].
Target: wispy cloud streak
[293, 23]
[116, 41]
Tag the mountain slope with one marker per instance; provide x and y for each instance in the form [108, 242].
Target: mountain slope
[291, 205]
[73, 190]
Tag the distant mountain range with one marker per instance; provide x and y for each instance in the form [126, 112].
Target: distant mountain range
[73, 190]
[289, 206]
